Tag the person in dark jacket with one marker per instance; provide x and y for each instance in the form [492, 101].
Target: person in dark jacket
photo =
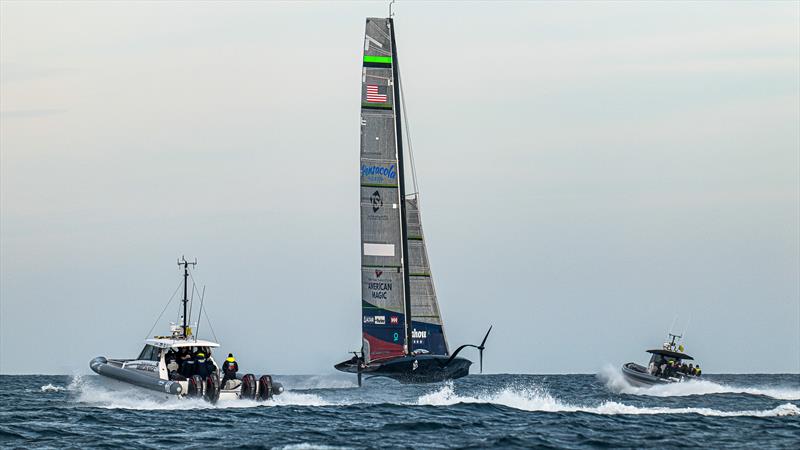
[204, 366]
[189, 366]
[229, 368]
[201, 365]
[185, 363]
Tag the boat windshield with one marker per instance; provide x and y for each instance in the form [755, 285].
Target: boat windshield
[149, 353]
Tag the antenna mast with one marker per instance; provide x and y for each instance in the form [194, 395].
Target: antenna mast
[183, 262]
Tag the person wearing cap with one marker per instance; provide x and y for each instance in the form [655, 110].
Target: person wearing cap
[229, 368]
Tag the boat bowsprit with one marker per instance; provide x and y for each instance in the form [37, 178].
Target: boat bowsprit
[183, 365]
[402, 327]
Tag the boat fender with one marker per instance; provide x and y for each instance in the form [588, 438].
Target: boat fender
[265, 388]
[249, 387]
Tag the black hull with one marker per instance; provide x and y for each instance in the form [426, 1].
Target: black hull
[411, 369]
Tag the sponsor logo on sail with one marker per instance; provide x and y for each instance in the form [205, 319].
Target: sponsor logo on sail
[380, 289]
[376, 201]
[394, 320]
[369, 319]
[378, 273]
[380, 320]
[419, 334]
[377, 173]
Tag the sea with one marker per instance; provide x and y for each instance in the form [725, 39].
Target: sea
[479, 411]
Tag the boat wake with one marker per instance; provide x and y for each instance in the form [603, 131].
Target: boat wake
[96, 393]
[49, 387]
[615, 381]
[539, 400]
[310, 382]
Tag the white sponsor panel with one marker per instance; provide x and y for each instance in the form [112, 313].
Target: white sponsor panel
[378, 249]
[380, 320]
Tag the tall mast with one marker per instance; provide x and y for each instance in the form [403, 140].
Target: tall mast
[401, 175]
[185, 264]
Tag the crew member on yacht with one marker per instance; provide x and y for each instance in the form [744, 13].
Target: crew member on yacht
[229, 368]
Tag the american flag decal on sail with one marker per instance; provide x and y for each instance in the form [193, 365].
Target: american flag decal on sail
[376, 94]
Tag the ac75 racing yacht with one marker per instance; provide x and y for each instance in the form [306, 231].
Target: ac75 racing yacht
[402, 328]
[169, 364]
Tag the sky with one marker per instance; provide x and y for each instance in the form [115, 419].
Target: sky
[588, 173]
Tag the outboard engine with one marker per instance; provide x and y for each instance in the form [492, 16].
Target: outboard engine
[249, 387]
[265, 388]
[195, 386]
[211, 391]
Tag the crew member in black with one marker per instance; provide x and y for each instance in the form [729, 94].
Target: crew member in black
[185, 362]
[204, 367]
[188, 366]
[229, 368]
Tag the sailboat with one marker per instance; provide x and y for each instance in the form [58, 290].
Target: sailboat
[403, 334]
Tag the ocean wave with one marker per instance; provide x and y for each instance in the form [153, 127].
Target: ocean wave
[538, 399]
[52, 388]
[308, 446]
[318, 382]
[616, 382]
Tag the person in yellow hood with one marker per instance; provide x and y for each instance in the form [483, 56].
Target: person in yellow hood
[229, 368]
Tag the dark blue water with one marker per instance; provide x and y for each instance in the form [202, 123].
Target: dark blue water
[724, 411]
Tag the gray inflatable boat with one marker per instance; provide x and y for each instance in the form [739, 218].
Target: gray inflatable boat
[182, 365]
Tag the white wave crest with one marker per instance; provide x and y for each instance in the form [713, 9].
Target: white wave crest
[111, 394]
[616, 382]
[538, 399]
[289, 398]
[51, 388]
[318, 382]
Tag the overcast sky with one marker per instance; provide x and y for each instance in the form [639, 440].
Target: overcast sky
[588, 172]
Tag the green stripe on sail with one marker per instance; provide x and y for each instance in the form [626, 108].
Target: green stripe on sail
[366, 105]
[375, 185]
[378, 59]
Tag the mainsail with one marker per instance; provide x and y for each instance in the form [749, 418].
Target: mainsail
[396, 283]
